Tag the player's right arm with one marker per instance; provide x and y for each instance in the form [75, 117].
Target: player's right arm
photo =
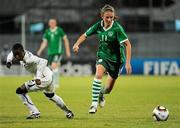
[80, 40]
[92, 30]
[42, 47]
[43, 43]
[9, 60]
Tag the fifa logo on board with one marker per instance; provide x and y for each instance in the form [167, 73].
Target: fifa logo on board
[161, 68]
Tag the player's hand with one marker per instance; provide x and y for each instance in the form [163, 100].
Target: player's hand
[38, 53]
[38, 81]
[75, 49]
[8, 65]
[128, 68]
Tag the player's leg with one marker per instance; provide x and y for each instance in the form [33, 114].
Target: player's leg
[96, 87]
[22, 93]
[60, 103]
[106, 90]
[109, 85]
[49, 92]
[55, 69]
[113, 71]
[55, 64]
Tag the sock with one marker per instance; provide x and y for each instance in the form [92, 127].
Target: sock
[60, 103]
[28, 103]
[56, 77]
[96, 88]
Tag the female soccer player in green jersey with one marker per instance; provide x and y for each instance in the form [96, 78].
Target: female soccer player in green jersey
[110, 56]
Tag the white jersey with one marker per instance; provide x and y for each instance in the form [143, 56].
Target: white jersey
[31, 63]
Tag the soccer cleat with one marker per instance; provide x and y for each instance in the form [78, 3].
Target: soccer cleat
[102, 101]
[33, 116]
[92, 110]
[69, 114]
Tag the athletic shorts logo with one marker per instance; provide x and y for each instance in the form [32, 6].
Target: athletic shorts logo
[110, 33]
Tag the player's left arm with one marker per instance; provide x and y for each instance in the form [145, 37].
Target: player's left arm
[9, 60]
[122, 38]
[67, 47]
[128, 57]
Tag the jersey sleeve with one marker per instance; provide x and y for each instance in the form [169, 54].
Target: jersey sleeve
[62, 32]
[45, 36]
[121, 35]
[92, 30]
[10, 57]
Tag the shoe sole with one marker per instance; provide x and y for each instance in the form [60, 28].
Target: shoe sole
[31, 118]
[92, 112]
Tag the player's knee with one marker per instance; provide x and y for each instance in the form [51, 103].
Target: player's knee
[98, 76]
[20, 90]
[49, 95]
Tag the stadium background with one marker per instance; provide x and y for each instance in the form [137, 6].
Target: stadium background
[152, 26]
[153, 29]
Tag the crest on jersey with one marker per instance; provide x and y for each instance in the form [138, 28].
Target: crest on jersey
[110, 33]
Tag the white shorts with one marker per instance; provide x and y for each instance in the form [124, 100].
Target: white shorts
[46, 83]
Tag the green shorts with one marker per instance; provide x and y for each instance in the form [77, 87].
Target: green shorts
[54, 58]
[112, 68]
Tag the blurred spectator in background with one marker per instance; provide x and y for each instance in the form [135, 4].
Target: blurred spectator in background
[54, 37]
[5, 51]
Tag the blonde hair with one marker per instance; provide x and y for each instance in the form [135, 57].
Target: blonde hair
[106, 8]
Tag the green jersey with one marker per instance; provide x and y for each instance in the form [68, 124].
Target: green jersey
[54, 39]
[111, 41]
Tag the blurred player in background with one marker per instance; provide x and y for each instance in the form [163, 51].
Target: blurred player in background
[54, 37]
[110, 56]
[42, 80]
[4, 53]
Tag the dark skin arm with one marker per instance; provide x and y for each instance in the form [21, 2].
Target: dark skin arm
[8, 65]
[38, 81]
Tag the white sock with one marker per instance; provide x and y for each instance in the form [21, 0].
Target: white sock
[96, 88]
[28, 102]
[56, 77]
[95, 104]
[59, 102]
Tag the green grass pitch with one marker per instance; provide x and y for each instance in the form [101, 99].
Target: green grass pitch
[129, 105]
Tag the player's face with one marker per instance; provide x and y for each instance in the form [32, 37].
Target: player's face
[52, 23]
[19, 55]
[108, 17]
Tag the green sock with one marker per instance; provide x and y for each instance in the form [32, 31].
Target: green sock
[96, 88]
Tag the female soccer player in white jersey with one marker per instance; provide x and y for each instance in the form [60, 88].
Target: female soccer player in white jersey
[113, 42]
[42, 80]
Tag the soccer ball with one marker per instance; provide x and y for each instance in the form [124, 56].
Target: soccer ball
[160, 113]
